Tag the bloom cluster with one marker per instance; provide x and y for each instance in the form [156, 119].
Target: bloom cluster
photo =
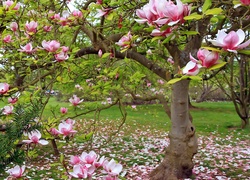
[230, 42]
[126, 41]
[35, 137]
[161, 12]
[86, 164]
[65, 128]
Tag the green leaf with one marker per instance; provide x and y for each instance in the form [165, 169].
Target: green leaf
[244, 51]
[168, 38]
[214, 11]
[106, 55]
[156, 38]
[193, 16]
[207, 4]
[217, 66]
[190, 32]
[172, 81]
[61, 158]
[195, 78]
[211, 49]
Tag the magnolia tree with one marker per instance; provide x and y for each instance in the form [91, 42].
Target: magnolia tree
[46, 43]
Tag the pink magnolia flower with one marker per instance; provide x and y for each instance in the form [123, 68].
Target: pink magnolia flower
[35, 137]
[66, 129]
[7, 39]
[170, 60]
[51, 46]
[17, 171]
[126, 41]
[13, 26]
[102, 12]
[74, 160]
[47, 28]
[4, 88]
[160, 81]
[63, 110]
[165, 33]
[192, 68]
[31, 27]
[245, 2]
[207, 58]
[109, 100]
[79, 171]
[61, 57]
[7, 4]
[112, 168]
[77, 13]
[133, 106]
[100, 53]
[54, 131]
[77, 86]
[12, 100]
[75, 100]
[162, 12]
[232, 41]
[8, 110]
[98, 1]
[27, 48]
[65, 49]
[89, 158]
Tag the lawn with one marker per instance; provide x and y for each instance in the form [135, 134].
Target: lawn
[224, 149]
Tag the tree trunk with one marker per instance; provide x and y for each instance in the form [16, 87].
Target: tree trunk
[183, 142]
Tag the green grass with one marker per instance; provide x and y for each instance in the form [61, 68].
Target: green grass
[207, 116]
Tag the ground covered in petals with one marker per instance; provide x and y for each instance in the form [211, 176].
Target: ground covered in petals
[220, 156]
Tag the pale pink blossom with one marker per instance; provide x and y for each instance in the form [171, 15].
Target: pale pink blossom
[7, 39]
[207, 58]
[102, 12]
[4, 88]
[77, 86]
[61, 57]
[79, 171]
[13, 26]
[63, 110]
[89, 158]
[100, 53]
[245, 2]
[160, 81]
[27, 48]
[47, 28]
[54, 131]
[66, 129]
[7, 110]
[109, 100]
[232, 41]
[31, 27]
[98, 1]
[12, 100]
[149, 84]
[16, 172]
[75, 100]
[77, 13]
[165, 33]
[51, 46]
[65, 49]
[170, 60]
[192, 68]
[112, 168]
[126, 41]
[35, 137]
[133, 106]
[74, 160]
[70, 121]
[7, 4]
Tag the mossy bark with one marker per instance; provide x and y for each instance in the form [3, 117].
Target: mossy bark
[183, 142]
